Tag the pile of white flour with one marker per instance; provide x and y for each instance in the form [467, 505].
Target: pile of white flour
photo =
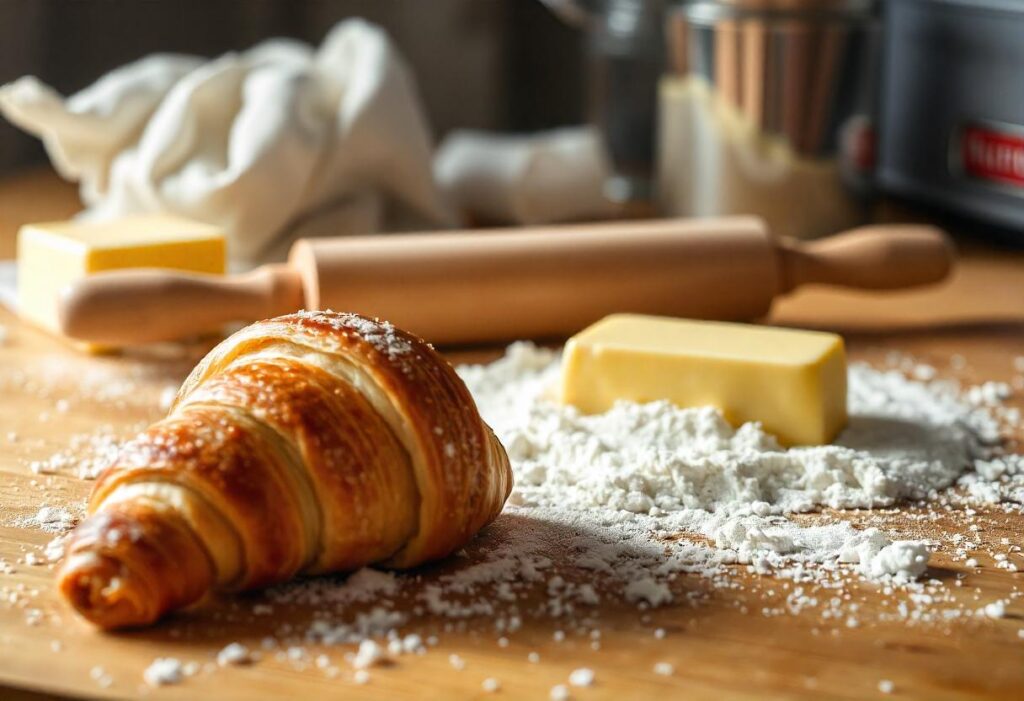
[666, 469]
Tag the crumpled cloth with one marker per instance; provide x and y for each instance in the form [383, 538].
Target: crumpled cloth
[540, 178]
[271, 143]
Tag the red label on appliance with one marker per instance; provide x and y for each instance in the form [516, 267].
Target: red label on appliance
[991, 154]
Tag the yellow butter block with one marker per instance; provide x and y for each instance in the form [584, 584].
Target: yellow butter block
[53, 255]
[793, 382]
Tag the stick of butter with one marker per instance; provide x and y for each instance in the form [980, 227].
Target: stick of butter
[793, 382]
[55, 254]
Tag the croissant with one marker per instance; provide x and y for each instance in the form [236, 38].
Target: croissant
[310, 443]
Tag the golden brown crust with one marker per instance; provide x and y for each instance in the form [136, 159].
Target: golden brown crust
[314, 442]
[352, 456]
[461, 470]
[236, 470]
[131, 563]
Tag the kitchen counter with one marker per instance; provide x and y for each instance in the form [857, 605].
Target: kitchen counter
[54, 400]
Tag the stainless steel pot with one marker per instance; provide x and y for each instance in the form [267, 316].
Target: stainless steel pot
[766, 109]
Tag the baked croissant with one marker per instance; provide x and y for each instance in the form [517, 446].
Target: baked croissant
[310, 443]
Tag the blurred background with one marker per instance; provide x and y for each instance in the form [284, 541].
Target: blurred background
[817, 115]
[486, 64]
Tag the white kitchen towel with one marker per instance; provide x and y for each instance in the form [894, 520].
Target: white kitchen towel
[540, 178]
[263, 142]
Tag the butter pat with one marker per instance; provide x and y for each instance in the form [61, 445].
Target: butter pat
[793, 382]
[54, 255]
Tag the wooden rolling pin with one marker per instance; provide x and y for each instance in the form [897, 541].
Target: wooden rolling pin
[473, 286]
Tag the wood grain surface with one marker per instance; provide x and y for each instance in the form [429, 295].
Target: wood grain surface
[725, 647]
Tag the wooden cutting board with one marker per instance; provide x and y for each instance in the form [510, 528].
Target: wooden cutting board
[726, 647]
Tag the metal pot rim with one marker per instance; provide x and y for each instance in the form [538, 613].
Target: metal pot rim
[710, 10]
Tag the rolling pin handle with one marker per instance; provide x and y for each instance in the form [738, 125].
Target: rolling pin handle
[139, 306]
[881, 257]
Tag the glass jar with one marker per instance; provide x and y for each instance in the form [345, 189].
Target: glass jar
[766, 108]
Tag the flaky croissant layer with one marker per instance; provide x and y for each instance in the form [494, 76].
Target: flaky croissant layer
[314, 442]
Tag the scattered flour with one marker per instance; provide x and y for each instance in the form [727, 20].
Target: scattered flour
[369, 654]
[559, 692]
[164, 671]
[641, 494]
[583, 676]
[234, 654]
[689, 470]
[997, 609]
[53, 551]
[86, 456]
[878, 558]
[101, 677]
[637, 496]
[648, 590]
[51, 519]
[382, 335]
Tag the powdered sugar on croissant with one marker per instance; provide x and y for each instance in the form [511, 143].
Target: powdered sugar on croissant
[314, 442]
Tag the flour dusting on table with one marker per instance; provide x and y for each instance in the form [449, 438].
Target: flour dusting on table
[652, 506]
[52, 519]
[689, 470]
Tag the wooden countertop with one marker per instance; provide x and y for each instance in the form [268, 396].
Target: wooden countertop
[49, 395]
